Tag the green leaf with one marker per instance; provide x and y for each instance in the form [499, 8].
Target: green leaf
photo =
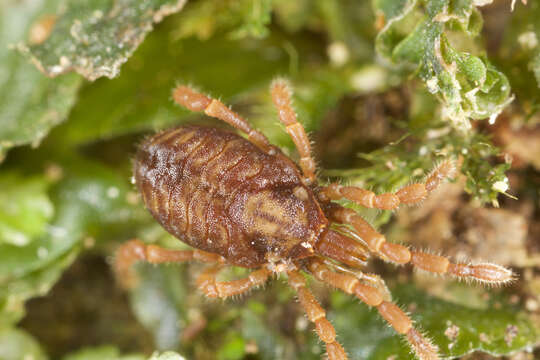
[257, 15]
[30, 103]
[95, 38]
[345, 22]
[90, 198]
[16, 344]
[256, 328]
[91, 202]
[293, 15]
[456, 329]
[237, 18]
[468, 86]
[159, 302]
[104, 352]
[107, 108]
[25, 208]
[15, 292]
[414, 156]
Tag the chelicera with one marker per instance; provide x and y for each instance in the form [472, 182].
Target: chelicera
[243, 202]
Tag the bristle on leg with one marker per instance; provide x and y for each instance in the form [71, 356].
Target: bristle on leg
[445, 170]
[389, 311]
[422, 347]
[195, 101]
[317, 315]
[410, 194]
[485, 272]
[282, 98]
[190, 99]
[335, 351]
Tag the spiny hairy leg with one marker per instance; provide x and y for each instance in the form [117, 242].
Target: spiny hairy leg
[195, 101]
[409, 194]
[372, 279]
[349, 284]
[376, 242]
[281, 96]
[208, 284]
[317, 315]
[135, 250]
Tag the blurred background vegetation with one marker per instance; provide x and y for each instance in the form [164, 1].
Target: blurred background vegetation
[386, 89]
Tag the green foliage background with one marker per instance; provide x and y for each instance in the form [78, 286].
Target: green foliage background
[80, 91]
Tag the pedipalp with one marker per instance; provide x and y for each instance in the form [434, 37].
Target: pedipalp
[376, 242]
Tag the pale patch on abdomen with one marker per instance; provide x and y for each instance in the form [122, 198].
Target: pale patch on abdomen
[264, 213]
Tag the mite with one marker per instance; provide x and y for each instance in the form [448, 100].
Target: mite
[243, 202]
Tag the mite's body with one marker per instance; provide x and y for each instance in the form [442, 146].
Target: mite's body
[220, 193]
[243, 202]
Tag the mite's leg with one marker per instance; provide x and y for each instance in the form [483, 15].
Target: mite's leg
[376, 242]
[407, 195]
[372, 279]
[349, 284]
[281, 96]
[195, 101]
[208, 284]
[317, 315]
[135, 250]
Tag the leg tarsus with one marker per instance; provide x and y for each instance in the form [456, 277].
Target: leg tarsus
[444, 170]
[126, 255]
[281, 96]
[206, 281]
[135, 250]
[190, 99]
[484, 272]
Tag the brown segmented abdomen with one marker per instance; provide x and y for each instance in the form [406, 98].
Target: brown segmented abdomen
[218, 192]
